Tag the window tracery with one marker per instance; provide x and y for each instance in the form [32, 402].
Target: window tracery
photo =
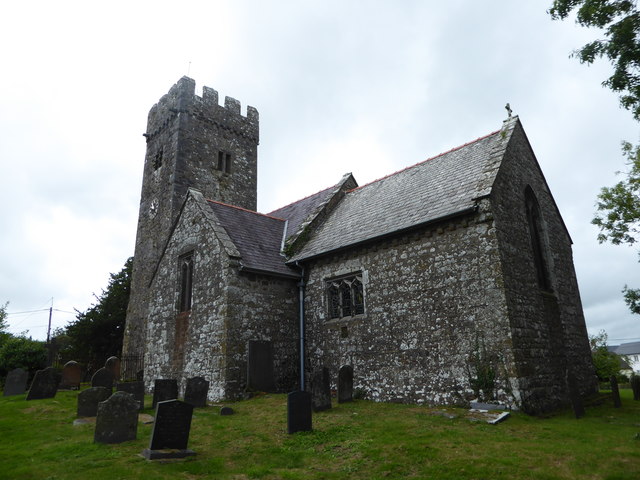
[345, 296]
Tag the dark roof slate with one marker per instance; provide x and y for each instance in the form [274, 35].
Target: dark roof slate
[433, 189]
[631, 348]
[257, 237]
[296, 213]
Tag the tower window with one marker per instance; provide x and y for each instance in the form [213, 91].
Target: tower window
[186, 282]
[157, 160]
[224, 162]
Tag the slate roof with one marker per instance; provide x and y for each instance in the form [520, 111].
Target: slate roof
[439, 187]
[299, 211]
[257, 237]
[632, 348]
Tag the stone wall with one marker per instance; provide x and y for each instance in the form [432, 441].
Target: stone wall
[434, 305]
[548, 328]
[228, 309]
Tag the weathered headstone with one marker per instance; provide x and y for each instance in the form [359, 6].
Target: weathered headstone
[170, 434]
[71, 376]
[89, 399]
[635, 386]
[196, 392]
[574, 395]
[113, 365]
[163, 390]
[260, 366]
[299, 412]
[345, 384]
[226, 411]
[134, 388]
[321, 390]
[615, 391]
[44, 384]
[117, 419]
[16, 382]
[103, 378]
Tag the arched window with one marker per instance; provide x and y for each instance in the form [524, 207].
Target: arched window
[186, 282]
[538, 241]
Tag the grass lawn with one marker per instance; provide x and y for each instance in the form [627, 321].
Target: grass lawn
[359, 440]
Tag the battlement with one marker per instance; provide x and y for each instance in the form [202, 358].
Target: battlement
[182, 99]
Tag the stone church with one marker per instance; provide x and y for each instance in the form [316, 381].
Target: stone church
[450, 280]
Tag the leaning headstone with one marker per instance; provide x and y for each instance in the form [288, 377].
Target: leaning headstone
[117, 419]
[615, 391]
[299, 412]
[163, 390]
[635, 386]
[103, 378]
[113, 365]
[134, 388]
[71, 376]
[16, 382]
[196, 392]
[44, 384]
[345, 384]
[224, 411]
[89, 399]
[320, 390]
[170, 434]
[260, 366]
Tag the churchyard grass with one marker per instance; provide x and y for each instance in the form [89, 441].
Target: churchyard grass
[359, 440]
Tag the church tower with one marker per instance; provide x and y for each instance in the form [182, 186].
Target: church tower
[191, 142]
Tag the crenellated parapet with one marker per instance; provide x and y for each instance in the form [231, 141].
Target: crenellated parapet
[182, 99]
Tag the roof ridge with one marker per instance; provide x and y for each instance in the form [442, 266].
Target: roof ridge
[244, 209]
[425, 161]
[304, 198]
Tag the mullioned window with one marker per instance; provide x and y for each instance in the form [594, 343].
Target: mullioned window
[345, 296]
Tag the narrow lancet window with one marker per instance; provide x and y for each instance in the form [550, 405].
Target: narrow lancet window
[538, 241]
[186, 282]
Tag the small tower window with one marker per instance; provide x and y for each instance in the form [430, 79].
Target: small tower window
[186, 282]
[157, 160]
[224, 162]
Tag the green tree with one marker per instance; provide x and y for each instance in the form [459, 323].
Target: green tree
[22, 352]
[605, 362]
[620, 22]
[97, 333]
[618, 207]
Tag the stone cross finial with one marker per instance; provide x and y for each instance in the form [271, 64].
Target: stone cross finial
[508, 107]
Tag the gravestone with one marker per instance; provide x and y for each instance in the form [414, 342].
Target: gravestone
[71, 376]
[345, 384]
[163, 390]
[44, 384]
[635, 386]
[103, 378]
[170, 434]
[89, 399]
[299, 412]
[134, 388]
[320, 390]
[16, 382]
[260, 366]
[117, 419]
[615, 391]
[224, 411]
[196, 392]
[113, 365]
[574, 395]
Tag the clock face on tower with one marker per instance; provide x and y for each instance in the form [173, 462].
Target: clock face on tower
[153, 208]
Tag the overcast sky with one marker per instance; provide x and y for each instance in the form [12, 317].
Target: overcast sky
[367, 87]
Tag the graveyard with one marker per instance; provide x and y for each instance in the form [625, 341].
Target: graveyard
[356, 439]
